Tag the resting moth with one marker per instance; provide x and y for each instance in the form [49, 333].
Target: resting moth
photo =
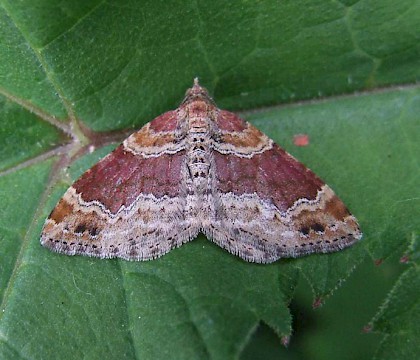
[199, 169]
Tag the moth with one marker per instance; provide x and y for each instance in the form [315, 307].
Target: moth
[199, 169]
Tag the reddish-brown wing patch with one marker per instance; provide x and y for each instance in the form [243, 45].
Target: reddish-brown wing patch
[121, 177]
[273, 175]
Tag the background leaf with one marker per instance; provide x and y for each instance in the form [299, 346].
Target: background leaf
[71, 69]
[399, 316]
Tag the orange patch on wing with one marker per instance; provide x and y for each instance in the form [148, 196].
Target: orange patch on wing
[146, 138]
[336, 208]
[249, 137]
[61, 211]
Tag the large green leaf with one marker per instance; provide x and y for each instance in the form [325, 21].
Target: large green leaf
[399, 316]
[68, 68]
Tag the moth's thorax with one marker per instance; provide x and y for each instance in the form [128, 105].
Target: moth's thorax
[200, 116]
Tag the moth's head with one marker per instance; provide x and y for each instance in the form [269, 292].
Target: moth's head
[197, 93]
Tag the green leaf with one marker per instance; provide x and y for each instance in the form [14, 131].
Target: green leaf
[399, 316]
[20, 194]
[34, 137]
[69, 69]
